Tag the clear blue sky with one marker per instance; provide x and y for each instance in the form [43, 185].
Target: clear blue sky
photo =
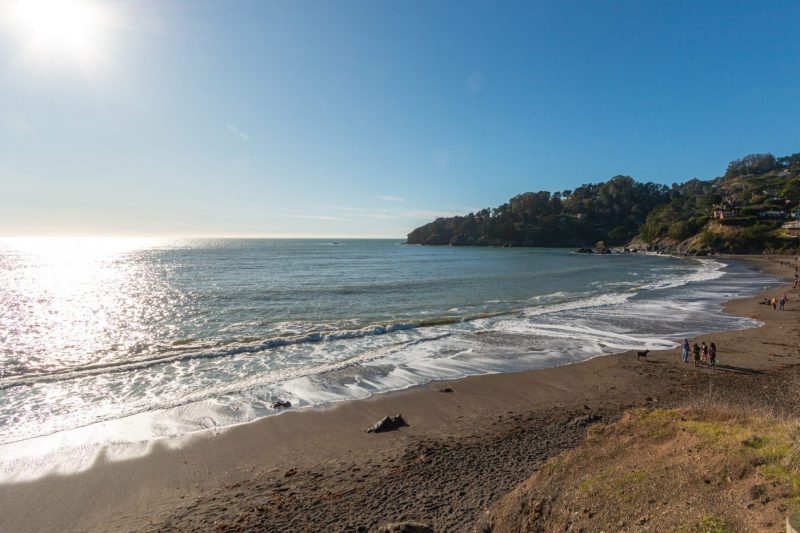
[253, 117]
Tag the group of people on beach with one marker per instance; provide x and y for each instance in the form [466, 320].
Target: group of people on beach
[775, 303]
[702, 353]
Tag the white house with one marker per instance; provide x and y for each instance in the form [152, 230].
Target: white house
[792, 228]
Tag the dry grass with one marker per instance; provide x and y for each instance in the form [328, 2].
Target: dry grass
[708, 468]
[769, 443]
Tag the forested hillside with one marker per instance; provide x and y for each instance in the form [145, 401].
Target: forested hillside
[745, 210]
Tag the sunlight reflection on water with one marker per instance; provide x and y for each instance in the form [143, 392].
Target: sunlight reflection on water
[71, 294]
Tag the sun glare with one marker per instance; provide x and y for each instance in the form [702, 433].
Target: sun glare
[59, 27]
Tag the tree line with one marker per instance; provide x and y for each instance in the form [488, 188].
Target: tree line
[617, 210]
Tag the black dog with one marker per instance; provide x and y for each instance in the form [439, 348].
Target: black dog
[642, 355]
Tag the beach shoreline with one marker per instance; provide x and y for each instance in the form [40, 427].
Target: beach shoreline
[317, 469]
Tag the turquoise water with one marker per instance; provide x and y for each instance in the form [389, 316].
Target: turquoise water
[205, 333]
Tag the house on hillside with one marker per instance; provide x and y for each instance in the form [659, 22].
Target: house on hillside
[771, 213]
[724, 210]
[723, 213]
[792, 228]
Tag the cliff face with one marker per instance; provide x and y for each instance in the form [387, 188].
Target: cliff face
[739, 212]
[714, 237]
[690, 246]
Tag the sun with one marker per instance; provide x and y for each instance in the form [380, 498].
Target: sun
[58, 28]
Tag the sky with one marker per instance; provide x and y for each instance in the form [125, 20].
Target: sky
[370, 118]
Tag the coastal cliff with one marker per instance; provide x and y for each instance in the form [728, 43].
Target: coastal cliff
[749, 209]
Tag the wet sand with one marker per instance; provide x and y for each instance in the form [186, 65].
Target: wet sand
[317, 470]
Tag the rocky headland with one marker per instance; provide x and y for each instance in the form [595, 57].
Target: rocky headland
[753, 207]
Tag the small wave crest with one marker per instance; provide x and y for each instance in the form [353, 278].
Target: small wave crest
[276, 342]
[259, 380]
[707, 270]
[613, 298]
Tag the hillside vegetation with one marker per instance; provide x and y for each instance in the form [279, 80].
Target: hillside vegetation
[743, 211]
[697, 470]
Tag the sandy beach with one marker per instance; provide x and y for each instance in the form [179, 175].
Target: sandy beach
[463, 449]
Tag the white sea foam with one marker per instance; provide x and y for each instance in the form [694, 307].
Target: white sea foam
[708, 270]
[581, 303]
[127, 366]
[333, 364]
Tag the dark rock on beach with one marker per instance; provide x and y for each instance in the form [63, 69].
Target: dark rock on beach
[388, 423]
[281, 404]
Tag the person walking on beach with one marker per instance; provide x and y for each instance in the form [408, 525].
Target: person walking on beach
[696, 350]
[774, 303]
[705, 352]
[712, 354]
[686, 350]
[782, 302]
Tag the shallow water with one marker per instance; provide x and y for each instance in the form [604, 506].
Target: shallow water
[156, 337]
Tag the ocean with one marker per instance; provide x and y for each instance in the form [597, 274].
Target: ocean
[111, 342]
